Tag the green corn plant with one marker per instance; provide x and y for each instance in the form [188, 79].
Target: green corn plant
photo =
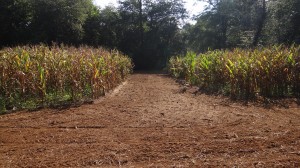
[46, 75]
[243, 73]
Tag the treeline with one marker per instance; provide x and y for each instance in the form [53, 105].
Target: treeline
[245, 23]
[150, 31]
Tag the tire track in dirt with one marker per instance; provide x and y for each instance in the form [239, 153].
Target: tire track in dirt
[150, 122]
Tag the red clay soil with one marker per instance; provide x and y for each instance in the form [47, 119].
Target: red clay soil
[151, 121]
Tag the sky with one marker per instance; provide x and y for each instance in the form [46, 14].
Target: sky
[194, 7]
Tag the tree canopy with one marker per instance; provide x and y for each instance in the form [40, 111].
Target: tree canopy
[247, 23]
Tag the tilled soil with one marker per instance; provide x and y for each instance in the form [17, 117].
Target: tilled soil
[152, 121]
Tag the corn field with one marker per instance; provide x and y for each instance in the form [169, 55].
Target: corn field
[272, 72]
[34, 76]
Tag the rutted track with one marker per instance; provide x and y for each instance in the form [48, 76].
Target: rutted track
[149, 122]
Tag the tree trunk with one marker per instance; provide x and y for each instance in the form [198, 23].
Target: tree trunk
[260, 25]
[141, 22]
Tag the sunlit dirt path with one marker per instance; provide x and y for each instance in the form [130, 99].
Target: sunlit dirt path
[151, 121]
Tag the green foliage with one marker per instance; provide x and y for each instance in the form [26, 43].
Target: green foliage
[102, 27]
[59, 20]
[40, 76]
[243, 73]
[221, 25]
[14, 18]
[147, 31]
[153, 35]
[248, 23]
[282, 24]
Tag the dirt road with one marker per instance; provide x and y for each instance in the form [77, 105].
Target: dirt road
[150, 121]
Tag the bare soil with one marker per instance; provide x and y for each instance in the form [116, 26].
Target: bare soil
[152, 121]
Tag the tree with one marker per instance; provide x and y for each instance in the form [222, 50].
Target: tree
[92, 33]
[59, 20]
[15, 21]
[150, 30]
[229, 24]
[102, 27]
[162, 36]
[140, 2]
[260, 22]
[213, 26]
[282, 24]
